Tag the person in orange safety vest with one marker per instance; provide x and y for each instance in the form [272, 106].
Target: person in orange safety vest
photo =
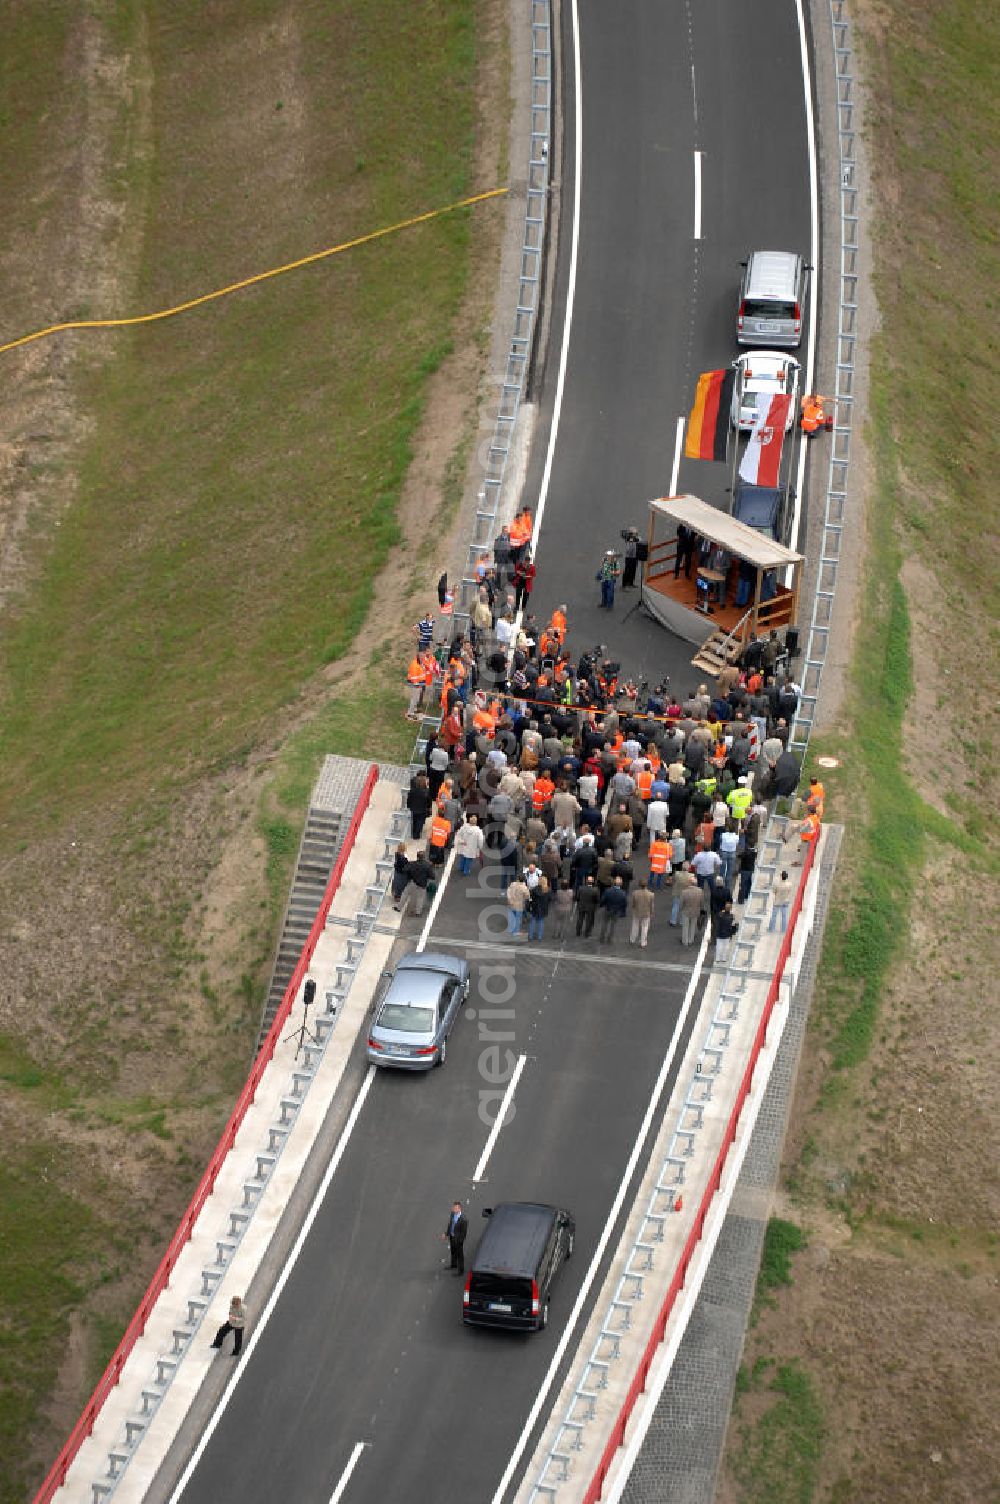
[542, 793]
[659, 861]
[814, 415]
[420, 677]
[440, 836]
[808, 833]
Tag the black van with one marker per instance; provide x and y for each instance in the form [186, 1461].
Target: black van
[516, 1262]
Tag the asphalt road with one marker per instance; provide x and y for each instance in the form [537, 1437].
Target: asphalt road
[366, 1343]
[654, 307]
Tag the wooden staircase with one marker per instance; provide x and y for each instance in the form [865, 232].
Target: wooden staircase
[721, 648]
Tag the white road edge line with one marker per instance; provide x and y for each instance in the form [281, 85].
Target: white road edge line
[697, 194]
[499, 1120]
[283, 1278]
[543, 489]
[662, 1366]
[813, 275]
[436, 902]
[678, 442]
[605, 1237]
[345, 1477]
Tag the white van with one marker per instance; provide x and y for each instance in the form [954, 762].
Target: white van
[772, 293]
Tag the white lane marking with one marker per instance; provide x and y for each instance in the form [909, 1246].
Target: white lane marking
[697, 194]
[678, 446]
[436, 902]
[345, 1477]
[500, 1119]
[282, 1281]
[543, 489]
[813, 275]
[616, 1206]
[694, 97]
[663, 1364]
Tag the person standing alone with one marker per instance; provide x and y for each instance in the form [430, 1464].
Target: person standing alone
[455, 1234]
[608, 574]
[235, 1322]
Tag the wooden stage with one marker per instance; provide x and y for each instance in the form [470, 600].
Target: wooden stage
[684, 593]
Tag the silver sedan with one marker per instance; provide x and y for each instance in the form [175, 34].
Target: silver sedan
[417, 1011]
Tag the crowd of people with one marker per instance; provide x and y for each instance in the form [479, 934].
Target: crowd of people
[609, 806]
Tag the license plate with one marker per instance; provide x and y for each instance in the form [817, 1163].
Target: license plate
[767, 326]
[496, 1305]
[396, 1049]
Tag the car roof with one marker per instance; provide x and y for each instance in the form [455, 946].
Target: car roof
[763, 359]
[757, 506]
[772, 273]
[514, 1238]
[420, 987]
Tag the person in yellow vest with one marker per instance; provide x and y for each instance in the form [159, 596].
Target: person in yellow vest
[659, 861]
[739, 800]
[439, 838]
[808, 834]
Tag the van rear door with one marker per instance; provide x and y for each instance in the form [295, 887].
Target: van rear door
[500, 1295]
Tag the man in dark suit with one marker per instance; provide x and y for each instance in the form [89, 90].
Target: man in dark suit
[686, 538]
[455, 1233]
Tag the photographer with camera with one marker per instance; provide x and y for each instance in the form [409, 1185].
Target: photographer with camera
[631, 539]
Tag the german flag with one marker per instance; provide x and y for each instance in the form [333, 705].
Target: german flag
[708, 425]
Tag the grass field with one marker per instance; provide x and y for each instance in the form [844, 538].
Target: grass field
[888, 1341]
[209, 501]
[238, 492]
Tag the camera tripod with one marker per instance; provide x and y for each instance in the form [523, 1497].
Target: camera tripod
[639, 604]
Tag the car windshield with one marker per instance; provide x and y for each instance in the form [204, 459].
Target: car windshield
[767, 308]
[406, 1019]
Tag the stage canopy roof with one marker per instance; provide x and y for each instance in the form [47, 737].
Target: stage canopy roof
[735, 537]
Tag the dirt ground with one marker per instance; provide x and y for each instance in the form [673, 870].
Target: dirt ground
[82, 931]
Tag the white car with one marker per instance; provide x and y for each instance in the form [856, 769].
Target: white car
[767, 371]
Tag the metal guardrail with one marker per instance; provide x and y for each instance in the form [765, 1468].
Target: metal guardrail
[673, 1166]
[529, 295]
[818, 640]
[485, 527]
[555, 1467]
[119, 1458]
[665, 1200]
